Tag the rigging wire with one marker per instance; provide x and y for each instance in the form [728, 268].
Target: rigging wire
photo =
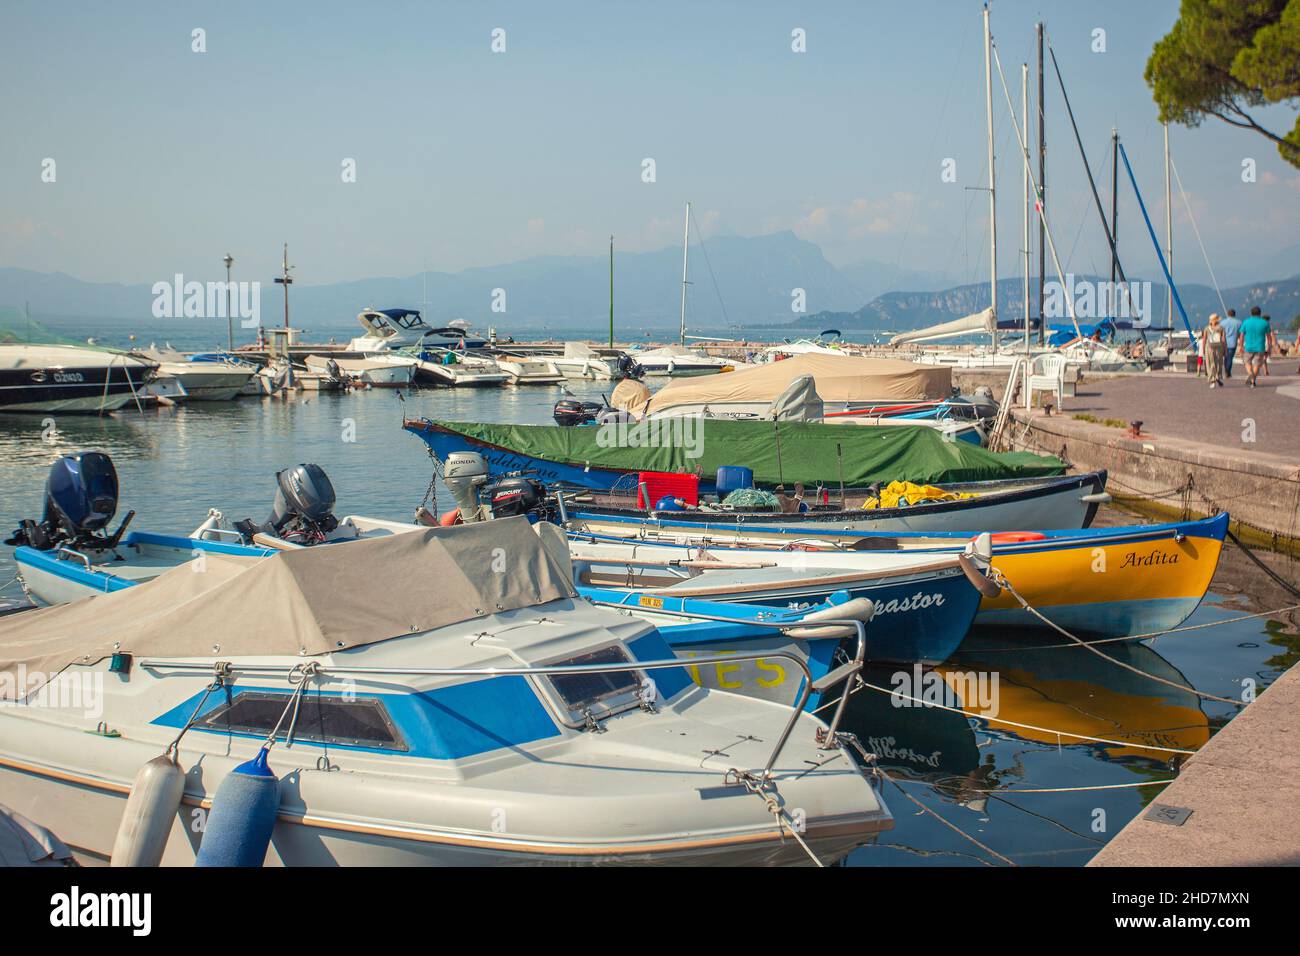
[699, 235]
[1179, 180]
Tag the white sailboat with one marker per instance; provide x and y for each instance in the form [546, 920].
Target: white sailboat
[678, 361]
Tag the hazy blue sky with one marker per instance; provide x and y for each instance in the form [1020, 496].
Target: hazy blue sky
[167, 159]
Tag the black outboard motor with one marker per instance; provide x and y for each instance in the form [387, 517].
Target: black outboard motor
[80, 501]
[571, 411]
[516, 495]
[628, 367]
[302, 511]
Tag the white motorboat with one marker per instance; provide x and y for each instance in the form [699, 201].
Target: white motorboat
[210, 380]
[678, 361]
[400, 339]
[443, 713]
[70, 378]
[818, 346]
[455, 368]
[379, 369]
[527, 369]
[581, 361]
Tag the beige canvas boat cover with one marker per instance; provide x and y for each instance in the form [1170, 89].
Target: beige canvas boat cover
[838, 378]
[630, 395]
[303, 602]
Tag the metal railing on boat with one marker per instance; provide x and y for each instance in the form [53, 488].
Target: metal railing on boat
[808, 684]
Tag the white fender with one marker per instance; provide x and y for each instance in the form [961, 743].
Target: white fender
[150, 811]
[858, 609]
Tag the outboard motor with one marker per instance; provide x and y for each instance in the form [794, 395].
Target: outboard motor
[628, 367]
[80, 500]
[571, 411]
[464, 473]
[516, 495]
[302, 511]
[615, 416]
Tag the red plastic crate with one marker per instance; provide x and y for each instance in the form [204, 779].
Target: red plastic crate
[661, 483]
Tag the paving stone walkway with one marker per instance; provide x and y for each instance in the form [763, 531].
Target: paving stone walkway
[1179, 405]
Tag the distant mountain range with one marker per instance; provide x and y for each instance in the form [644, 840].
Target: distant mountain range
[901, 311]
[736, 283]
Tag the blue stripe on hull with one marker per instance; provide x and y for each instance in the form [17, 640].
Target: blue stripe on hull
[928, 634]
[1107, 618]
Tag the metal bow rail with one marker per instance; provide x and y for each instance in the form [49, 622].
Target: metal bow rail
[830, 740]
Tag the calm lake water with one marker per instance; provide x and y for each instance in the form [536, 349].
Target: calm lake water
[176, 463]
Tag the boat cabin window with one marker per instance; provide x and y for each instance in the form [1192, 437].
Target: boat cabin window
[361, 722]
[599, 694]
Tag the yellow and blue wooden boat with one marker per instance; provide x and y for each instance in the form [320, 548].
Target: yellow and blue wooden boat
[1131, 581]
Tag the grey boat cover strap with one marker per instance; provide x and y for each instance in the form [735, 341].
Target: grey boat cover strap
[296, 603]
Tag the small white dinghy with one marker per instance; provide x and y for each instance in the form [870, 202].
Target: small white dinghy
[494, 719]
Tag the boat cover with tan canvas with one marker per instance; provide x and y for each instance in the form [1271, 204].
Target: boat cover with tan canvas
[295, 603]
[630, 395]
[838, 378]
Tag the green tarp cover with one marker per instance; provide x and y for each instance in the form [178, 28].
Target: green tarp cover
[776, 451]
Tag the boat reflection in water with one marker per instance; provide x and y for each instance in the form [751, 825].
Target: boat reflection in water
[1048, 692]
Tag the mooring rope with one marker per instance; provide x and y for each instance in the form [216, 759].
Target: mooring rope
[759, 788]
[950, 825]
[1150, 634]
[1009, 723]
[1100, 786]
[1001, 579]
[1282, 582]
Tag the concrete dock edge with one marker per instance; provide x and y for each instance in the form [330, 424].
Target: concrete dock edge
[1240, 789]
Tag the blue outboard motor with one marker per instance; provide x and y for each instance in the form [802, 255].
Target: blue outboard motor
[80, 501]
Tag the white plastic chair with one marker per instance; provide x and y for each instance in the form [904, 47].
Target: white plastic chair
[1046, 374]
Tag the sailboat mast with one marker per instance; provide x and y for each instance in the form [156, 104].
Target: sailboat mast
[686, 238]
[993, 204]
[1169, 230]
[1024, 187]
[1114, 209]
[286, 281]
[1042, 191]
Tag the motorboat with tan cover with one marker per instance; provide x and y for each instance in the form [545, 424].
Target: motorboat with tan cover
[842, 382]
[495, 718]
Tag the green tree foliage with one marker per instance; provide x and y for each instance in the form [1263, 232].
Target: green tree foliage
[1225, 58]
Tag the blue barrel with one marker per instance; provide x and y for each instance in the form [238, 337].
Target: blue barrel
[238, 832]
[732, 477]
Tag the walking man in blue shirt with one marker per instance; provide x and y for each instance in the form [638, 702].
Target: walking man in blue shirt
[1255, 334]
[1231, 329]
